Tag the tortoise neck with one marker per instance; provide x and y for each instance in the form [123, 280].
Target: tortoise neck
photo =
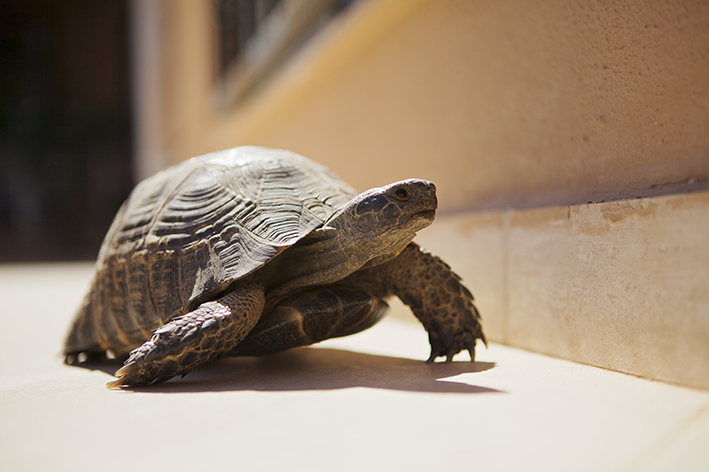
[317, 259]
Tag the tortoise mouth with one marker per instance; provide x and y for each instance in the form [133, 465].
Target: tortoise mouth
[422, 219]
[426, 214]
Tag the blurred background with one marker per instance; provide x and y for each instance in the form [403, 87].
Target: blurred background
[68, 114]
[66, 142]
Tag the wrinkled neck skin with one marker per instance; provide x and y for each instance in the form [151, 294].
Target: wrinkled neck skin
[371, 229]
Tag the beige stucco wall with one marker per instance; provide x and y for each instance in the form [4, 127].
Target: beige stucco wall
[501, 103]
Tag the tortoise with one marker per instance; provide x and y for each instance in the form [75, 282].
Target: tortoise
[252, 251]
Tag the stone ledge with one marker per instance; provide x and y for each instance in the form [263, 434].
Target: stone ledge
[621, 285]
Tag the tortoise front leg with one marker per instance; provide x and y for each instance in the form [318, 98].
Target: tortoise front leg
[202, 335]
[438, 299]
[310, 317]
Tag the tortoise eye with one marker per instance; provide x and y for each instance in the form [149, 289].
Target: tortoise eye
[402, 194]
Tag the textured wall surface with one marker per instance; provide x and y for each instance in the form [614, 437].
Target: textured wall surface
[502, 104]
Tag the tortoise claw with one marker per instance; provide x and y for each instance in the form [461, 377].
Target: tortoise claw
[150, 363]
[452, 351]
[135, 374]
[123, 378]
[117, 383]
[131, 375]
[451, 344]
[470, 346]
[144, 367]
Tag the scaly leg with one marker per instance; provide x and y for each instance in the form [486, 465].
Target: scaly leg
[434, 293]
[438, 299]
[202, 335]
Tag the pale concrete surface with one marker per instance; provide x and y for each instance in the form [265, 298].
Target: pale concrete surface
[366, 402]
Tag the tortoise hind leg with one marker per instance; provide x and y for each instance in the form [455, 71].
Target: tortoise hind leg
[310, 317]
[199, 336]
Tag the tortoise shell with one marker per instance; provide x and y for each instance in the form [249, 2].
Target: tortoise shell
[193, 229]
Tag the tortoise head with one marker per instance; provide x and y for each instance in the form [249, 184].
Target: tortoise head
[378, 224]
[402, 207]
[370, 229]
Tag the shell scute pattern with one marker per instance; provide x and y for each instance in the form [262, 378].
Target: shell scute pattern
[193, 228]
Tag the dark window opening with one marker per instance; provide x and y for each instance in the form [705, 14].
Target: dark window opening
[253, 37]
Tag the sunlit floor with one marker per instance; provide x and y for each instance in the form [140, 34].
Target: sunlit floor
[367, 402]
